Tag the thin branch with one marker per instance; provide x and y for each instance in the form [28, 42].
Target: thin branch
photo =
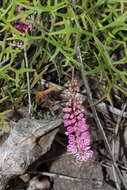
[115, 141]
[90, 99]
[120, 117]
[28, 83]
[66, 177]
[115, 178]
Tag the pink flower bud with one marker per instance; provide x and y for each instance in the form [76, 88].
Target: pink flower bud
[66, 116]
[78, 106]
[72, 116]
[80, 116]
[77, 112]
[67, 133]
[70, 129]
[73, 121]
[67, 109]
[67, 122]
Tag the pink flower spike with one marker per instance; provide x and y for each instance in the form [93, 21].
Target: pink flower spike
[77, 128]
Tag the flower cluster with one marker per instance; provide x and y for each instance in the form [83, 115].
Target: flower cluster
[20, 25]
[76, 126]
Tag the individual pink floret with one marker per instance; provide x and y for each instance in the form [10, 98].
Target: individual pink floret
[67, 109]
[66, 116]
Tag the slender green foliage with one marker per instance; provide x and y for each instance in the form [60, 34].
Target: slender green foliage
[99, 27]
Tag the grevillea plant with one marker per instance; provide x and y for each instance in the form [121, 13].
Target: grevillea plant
[76, 126]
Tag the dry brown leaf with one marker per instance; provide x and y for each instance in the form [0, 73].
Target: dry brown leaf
[40, 94]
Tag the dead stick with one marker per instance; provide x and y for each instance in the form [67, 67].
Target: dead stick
[90, 99]
[66, 177]
[28, 82]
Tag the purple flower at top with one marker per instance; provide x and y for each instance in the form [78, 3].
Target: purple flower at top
[22, 26]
